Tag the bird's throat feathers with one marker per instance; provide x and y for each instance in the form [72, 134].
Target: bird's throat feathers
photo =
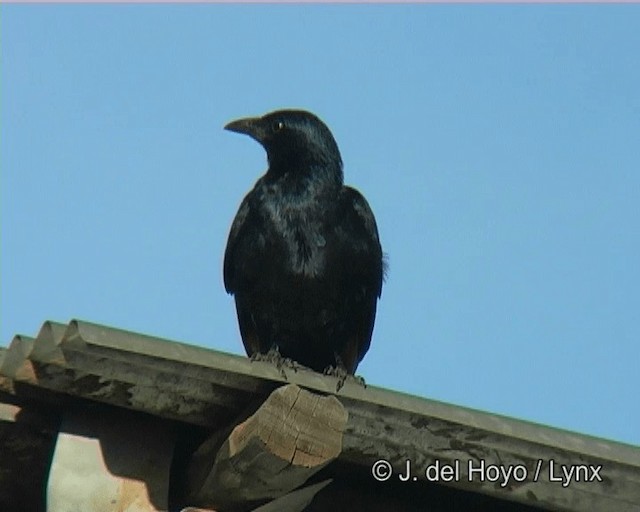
[301, 174]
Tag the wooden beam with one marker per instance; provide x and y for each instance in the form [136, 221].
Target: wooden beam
[15, 363]
[107, 459]
[292, 436]
[207, 388]
[6, 382]
[17, 360]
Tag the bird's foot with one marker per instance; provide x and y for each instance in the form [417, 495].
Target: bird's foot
[360, 380]
[343, 375]
[275, 357]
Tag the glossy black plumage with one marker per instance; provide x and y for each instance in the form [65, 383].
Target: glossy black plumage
[303, 258]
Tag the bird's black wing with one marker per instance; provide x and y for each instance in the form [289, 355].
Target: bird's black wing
[361, 261]
[239, 267]
[366, 239]
[238, 231]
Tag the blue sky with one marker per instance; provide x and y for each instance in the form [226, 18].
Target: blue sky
[497, 145]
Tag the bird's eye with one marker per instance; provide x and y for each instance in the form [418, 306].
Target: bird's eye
[277, 126]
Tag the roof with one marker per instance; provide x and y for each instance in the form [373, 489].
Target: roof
[202, 393]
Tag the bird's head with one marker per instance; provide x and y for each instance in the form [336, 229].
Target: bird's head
[295, 141]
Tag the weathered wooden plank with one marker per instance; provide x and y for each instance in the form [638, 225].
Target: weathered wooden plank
[6, 383]
[157, 385]
[204, 387]
[16, 361]
[239, 372]
[15, 364]
[160, 377]
[292, 436]
[410, 445]
[47, 343]
[234, 372]
[169, 394]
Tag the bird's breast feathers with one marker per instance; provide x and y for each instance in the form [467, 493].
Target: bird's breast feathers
[297, 228]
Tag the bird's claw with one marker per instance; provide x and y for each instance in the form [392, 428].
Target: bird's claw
[341, 373]
[274, 357]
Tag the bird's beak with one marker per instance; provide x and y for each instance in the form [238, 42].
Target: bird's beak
[250, 126]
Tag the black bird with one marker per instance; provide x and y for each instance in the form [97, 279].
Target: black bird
[303, 257]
